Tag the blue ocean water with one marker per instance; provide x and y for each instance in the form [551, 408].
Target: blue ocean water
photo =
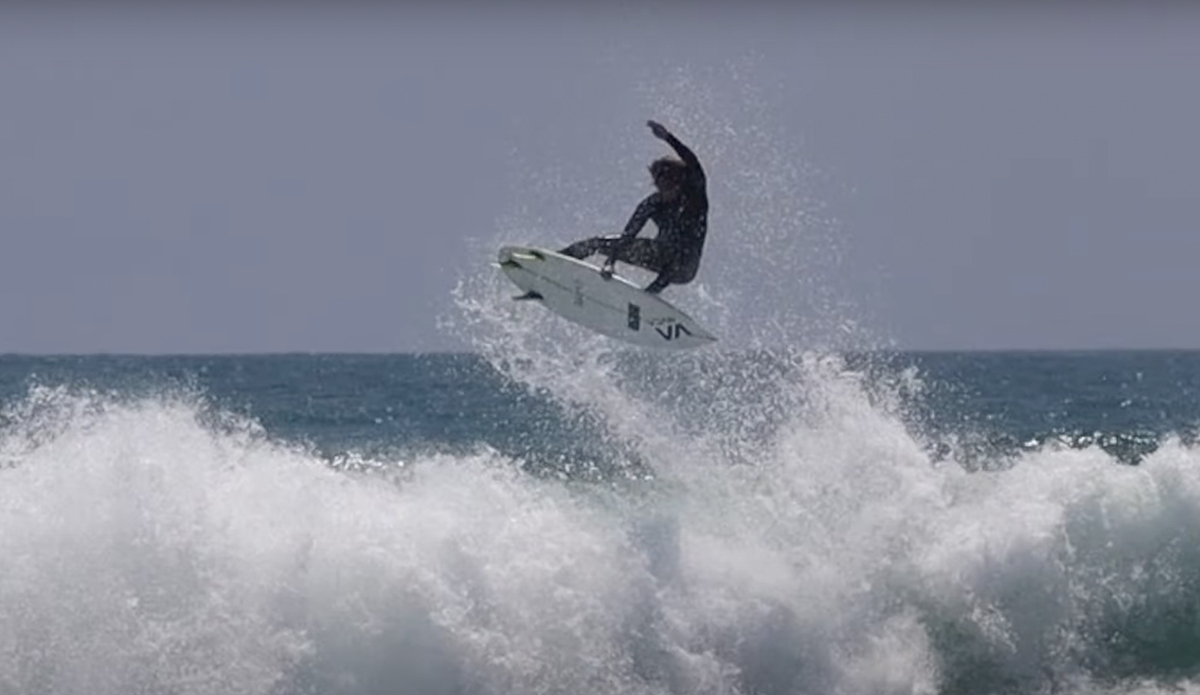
[600, 520]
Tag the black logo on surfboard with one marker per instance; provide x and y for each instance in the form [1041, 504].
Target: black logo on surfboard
[669, 328]
[671, 332]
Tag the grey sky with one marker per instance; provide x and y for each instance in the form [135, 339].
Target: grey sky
[206, 180]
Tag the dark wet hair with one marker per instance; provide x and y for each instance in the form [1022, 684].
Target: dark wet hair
[667, 169]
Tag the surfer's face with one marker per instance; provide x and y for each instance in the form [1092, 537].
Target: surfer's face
[668, 186]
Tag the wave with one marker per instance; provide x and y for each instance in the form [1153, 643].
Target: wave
[159, 544]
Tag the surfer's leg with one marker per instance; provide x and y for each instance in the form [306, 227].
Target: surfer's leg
[644, 253]
[672, 269]
[587, 247]
[660, 283]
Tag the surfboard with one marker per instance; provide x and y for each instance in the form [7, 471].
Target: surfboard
[612, 306]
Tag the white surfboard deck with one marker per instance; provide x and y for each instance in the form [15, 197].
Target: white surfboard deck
[614, 307]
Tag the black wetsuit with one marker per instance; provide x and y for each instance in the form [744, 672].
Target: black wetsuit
[682, 225]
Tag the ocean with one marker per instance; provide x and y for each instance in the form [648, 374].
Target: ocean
[596, 519]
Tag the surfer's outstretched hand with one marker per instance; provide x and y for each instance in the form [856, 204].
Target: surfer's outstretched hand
[659, 131]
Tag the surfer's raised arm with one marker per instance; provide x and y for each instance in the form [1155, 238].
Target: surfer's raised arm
[689, 158]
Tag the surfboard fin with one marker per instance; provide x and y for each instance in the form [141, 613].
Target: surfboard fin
[509, 263]
[528, 295]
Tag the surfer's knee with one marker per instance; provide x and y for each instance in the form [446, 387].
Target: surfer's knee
[684, 274]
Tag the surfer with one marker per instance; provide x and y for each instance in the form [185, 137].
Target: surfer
[679, 208]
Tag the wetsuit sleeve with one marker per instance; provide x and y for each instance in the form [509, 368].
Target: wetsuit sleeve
[688, 157]
[643, 212]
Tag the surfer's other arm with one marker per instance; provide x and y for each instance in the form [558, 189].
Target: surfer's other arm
[642, 214]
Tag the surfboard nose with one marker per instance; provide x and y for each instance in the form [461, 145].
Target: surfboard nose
[512, 256]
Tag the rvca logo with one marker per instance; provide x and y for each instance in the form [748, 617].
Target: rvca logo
[669, 329]
[672, 331]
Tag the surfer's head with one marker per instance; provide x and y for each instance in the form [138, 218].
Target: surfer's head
[668, 175]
